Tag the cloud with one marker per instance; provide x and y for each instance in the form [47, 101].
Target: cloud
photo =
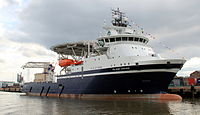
[48, 23]
[2, 61]
[15, 54]
[190, 66]
[4, 3]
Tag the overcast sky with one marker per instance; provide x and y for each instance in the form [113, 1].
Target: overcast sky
[29, 27]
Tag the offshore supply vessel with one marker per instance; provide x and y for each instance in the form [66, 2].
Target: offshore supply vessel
[118, 65]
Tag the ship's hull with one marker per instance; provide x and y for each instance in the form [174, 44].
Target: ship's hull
[144, 81]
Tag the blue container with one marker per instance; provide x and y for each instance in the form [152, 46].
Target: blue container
[198, 81]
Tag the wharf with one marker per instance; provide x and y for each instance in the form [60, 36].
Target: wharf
[185, 91]
[12, 89]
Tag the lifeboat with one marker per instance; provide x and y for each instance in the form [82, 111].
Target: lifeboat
[68, 62]
[78, 62]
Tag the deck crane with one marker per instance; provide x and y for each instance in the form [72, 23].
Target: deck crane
[47, 66]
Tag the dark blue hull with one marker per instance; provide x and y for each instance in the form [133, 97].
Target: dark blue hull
[123, 81]
[137, 83]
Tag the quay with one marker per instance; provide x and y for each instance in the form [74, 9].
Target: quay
[11, 89]
[185, 91]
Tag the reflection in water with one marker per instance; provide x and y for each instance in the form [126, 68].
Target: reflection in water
[187, 107]
[13, 103]
[110, 107]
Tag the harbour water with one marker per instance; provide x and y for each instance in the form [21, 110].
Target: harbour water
[15, 104]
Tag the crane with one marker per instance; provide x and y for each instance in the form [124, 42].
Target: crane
[47, 66]
[44, 65]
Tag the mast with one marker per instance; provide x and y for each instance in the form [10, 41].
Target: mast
[119, 18]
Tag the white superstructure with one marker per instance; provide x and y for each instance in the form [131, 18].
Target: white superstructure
[122, 45]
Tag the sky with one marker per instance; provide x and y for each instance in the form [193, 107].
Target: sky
[28, 28]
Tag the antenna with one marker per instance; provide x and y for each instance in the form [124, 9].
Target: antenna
[119, 18]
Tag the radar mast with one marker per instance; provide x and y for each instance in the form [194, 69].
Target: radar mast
[119, 18]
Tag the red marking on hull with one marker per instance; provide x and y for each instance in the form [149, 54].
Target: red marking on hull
[114, 96]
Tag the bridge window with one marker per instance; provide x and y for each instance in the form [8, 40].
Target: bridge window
[106, 40]
[130, 38]
[124, 38]
[101, 42]
[112, 39]
[141, 40]
[118, 39]
[136, 39]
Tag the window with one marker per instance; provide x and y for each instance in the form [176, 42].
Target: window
[118, 39]
[112, 39]
[136, 39]
[106, 40]
[144, 41]
[141, 39]
[101, 42]
[130, 38]
[124, 38]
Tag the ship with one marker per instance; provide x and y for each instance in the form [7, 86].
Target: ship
[118, 65]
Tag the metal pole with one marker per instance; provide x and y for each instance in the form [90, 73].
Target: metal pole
[88, 49]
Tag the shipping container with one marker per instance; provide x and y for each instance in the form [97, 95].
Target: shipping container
[192, 81]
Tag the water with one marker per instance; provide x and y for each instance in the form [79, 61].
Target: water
[14, 104]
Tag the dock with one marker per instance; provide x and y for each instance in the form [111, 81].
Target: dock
[185, 91]
[11, 89]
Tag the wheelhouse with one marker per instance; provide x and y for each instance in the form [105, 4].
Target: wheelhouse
[107, 40]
